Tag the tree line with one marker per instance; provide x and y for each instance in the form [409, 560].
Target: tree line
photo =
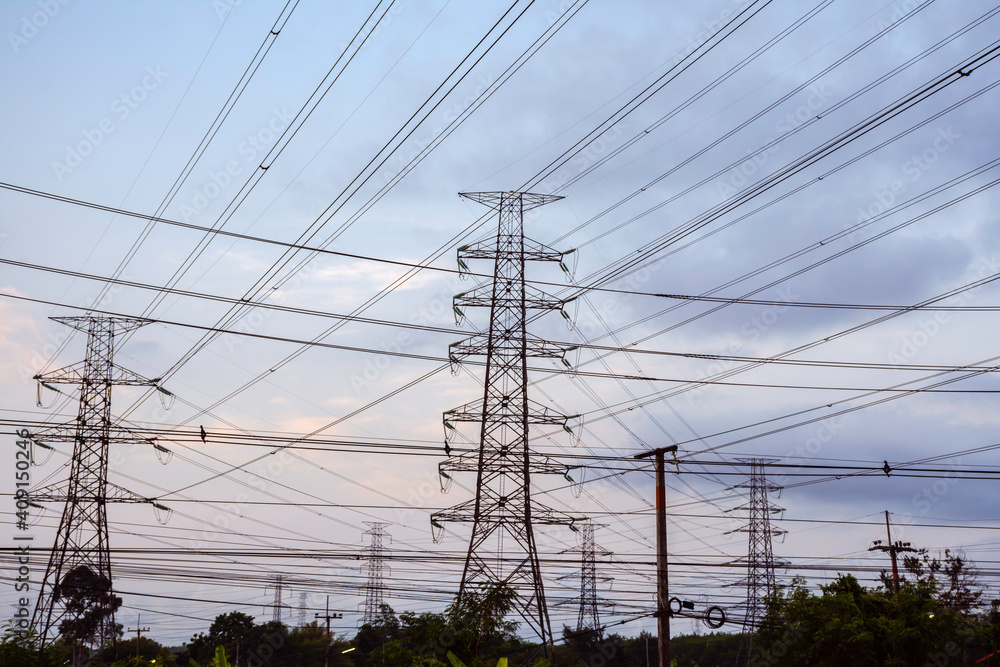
[936, 618]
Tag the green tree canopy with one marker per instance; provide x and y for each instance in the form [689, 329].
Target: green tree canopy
[89, 601]
[848, 624]
[475, 628]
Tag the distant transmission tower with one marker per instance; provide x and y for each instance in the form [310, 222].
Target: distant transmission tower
[375, 554]
[502, 547]
[279, 594]
[81, 545]
[302, 609]
[589, 617]
[760, 560]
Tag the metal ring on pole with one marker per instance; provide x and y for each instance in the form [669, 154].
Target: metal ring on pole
[717, 623]
[670, 606]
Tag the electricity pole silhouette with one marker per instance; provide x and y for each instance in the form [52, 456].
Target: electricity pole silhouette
[502, 547]
[82, 537]
[327, 617]
[760, 559]
[892, 548]
[138, 633]
[375, 554]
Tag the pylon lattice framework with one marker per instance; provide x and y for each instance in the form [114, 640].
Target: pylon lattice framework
[502, 546]
[375, 554]
[589, 617]
[82, 537]
[279, 598]
[760, 562]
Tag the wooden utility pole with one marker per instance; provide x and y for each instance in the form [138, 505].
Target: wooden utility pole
[892, 548]
[662, 585]
[138, 633]
[327, 617]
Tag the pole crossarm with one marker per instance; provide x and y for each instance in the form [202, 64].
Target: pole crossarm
[469, 462]
[478, 345]
[66, 432]
[475, 411]
[497, 509]
[533, 252]
[77, 374]
[672, 449]
[496, 200]
[59, 493]
[893, 549]
[486, 296]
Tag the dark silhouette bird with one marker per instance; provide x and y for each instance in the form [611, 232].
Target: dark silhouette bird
[203, 434]
[885, 468]
[447, 449]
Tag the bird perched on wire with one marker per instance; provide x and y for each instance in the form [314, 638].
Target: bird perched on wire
[885, 468]
[203, 434]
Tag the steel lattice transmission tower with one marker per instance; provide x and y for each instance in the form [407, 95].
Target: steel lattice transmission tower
[502, 547]
[589, 617]
[82, 538]
[760, 562]
[375, 554]
[302, 609]
[279, 598]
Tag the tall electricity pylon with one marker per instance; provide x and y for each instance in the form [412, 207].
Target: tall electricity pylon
[279, 598]
[82, 538]
[502, 548]
[760, 560]
[589, 617]
[375, 554]
[302, 608]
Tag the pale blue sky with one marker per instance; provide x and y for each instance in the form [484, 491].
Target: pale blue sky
[106, 102]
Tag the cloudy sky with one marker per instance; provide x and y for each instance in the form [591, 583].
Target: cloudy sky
[777, 159]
